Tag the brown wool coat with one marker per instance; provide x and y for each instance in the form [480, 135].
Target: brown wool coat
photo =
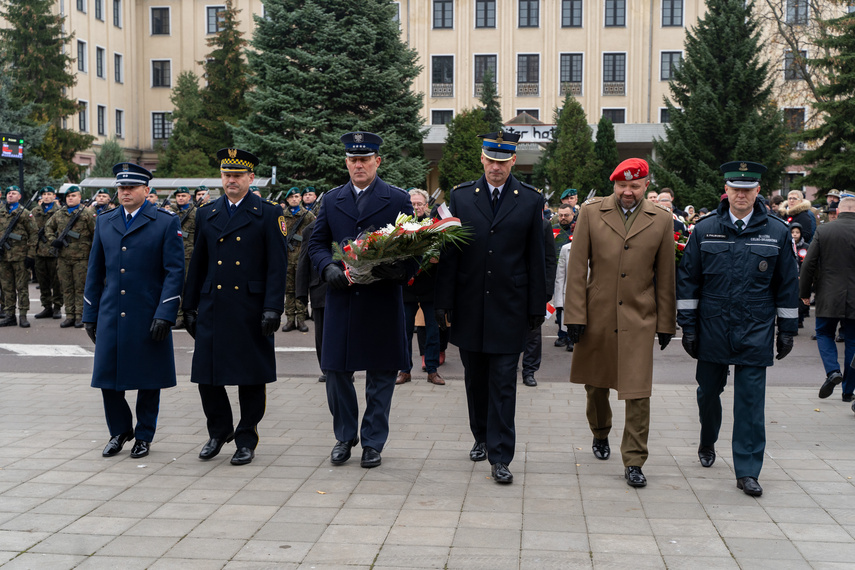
[628, 296]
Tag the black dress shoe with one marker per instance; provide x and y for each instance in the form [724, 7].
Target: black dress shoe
[832, 380]
[749, 486]
[45, 313]
[242, 456]
[601, 448]
[213, 446]
[634, 477]
[341, 451]
[140, 449]
[370, 458]
[116, 442]
[529, 381]
[478, 452]
[561, 341]
[569, 346]
[706, 453]
[501, 473]
[847, 397]
[322, 378]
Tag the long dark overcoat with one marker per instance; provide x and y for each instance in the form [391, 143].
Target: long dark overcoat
[237, 272]
[134, 276]
[830, 266]
[364, 324]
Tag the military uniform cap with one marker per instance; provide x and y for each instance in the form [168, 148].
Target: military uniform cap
[309, 189]
[12, 188]
[181, 190]
[152, 191]
[201, 188]
[742, 174]
[292, 190]
[834, 192]
[254, 188]
[569, 192]
[500, 145]
[47, 189]
[103, 191]
[236, 160]
[71, 190]
[361, 143]
[630, 169]
[130, 174]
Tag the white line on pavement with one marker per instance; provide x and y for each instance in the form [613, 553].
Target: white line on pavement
[47, 350]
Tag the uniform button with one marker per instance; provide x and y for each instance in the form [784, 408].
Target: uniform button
[489, 272]
[490, 252]
[219, 263]
[625, 246]
[221, 239]
[219, 286]
[237, 262]
[238, 238]
[488, 292]
[623, 274]
[620, 302]
[236, 287]
[124, 248]
[492, 232]
[123, 291]
[123, 314]
[122, 270]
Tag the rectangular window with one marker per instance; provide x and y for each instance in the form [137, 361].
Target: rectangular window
[793, 66]
[443, 14]
[535, 113]
[482, 64]
[528, 75]
[485, 13]
[395, 18]
[614, 74]
[670, 60]
[214, 19]
[794, 118]
[120, 124]
[615, 115]
[664, 115]
[442, 76]
[82, 118]
[797, 12]
[672, 13]
[99, 10]
[615, 13]
[571, 74]
[161, 73]
[81, 5]
[571, 13]
[102, 120]
[441, 117]
[161, 125]
[100, 64]
[118, 70]
[160, 21]
[529, 13]
[81, 56]
[117, 13]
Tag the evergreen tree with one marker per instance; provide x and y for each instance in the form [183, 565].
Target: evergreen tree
[490, 99]
[569, 160]
[110, 154]
[186, 133]
[720, 108]
[14, 121]
[461, 157]
[320, 69]
[833, 158]
[605, 149]
[35, 55]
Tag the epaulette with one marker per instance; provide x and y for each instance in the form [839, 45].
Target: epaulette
[658, 205]
[164, 210]
[271, 202]
[773, 216]
[529, 187]
[464, 184]
[206, 204]
[593, 200]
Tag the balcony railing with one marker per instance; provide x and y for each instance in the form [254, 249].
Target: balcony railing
[614, 88]
[442, 90]
[528, 89]
[572, 87]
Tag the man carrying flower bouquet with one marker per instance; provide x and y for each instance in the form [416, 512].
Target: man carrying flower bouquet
[364, 323]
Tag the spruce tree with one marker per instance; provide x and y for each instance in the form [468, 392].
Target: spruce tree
[720, 108]
[186, 135]
[110, 154]
[461, 157]
[35, 54]
[320, 69]
[606, 152]
[14, 121]
[833, 157]
[490, 99]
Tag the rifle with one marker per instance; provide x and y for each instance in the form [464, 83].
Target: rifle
[591, 194]
[276, 198]
[434, 197]
[67, 232]
[316, 205]
[186, 214]
[8, 235]
[165, 202]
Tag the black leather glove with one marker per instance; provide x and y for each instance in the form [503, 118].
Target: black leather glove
[534, 321]
[29, 262]
[441, 315]
[90, 330]
[335, 277]
[664, 339]
[690, 343]
[270, 321]
[784, 344]
[575, 332]
[159, 329]
[396, 271]
[56, 244]
[190, 323]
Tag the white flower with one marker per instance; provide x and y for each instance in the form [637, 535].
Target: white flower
[402, 218]
[411, 226]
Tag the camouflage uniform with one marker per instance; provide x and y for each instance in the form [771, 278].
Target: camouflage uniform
[14, 277]
[72, 260]
[188, 231]
[98, 210]
[49, 289]
[295, 311]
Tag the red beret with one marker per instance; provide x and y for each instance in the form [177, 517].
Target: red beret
[630, 169]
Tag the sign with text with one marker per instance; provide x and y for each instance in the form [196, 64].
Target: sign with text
[12, 147]
[532, 133]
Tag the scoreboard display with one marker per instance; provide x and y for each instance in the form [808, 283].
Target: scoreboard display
[12, 147]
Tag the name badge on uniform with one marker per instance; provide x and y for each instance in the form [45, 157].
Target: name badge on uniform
[715, 236]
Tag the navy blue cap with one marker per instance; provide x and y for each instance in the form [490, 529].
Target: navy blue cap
[236, 160]
[499, 145]
[361, 143]
[742, 174]
[130, 174]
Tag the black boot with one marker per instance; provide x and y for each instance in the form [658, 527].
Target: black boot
[57, 312]
[45, 313]
[9, 321]
[23, 322]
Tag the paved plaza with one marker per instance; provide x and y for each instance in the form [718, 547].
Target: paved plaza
[64, 506]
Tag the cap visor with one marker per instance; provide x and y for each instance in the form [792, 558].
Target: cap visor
[367, 152]
[743, 184]
[127, 182]
[234, 169]
[493, 154]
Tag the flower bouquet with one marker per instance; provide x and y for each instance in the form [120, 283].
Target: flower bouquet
[407, 238]
[680, 241]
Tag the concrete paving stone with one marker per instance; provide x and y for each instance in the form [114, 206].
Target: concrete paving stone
[612, 494]
[762, 548]
[375, 502]
[35, 522]
[183, 511]
[705, 562]
[612, 508]
[702, 547]
[826, 487]
[480, 558]
[162, 527]
[425, 518]
[19, 541]
[316, 566]
[287, 532]
[342, 553]
[132, 509]
[355, 534]
[52, 506]
[274, 552]
[822, 474]
[544, 540]
[292, 514]
[383, 487]
[152, 494]
[621, 561]
[749, 529]
[622, 544]
[420, 536]
[766, 564]
[313, 499]
[225, 528]
[355, 516]
[138, 547]
[846, 501]
[841, 516]
[496, 503]
[814, 551]
[751, 511]
[61, 476]
[205, 548]
[554, 560]
[112, 562]
[428, 502]
[335, 483]
[412, 556]
[260, 498]
[31, 560]
[75, 544]
[273, 484]
[815, 532]
[36, 490]
[626, 525]
[161, 481]
[94, 492]
[187, 564]
[533, 521]
[93, 524]
[487, 538]
[204, 496]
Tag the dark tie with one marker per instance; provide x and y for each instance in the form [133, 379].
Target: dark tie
[360, 202]
[495, 199]
[232, 209]
[129, 220]
[739, 225]
[626, 215]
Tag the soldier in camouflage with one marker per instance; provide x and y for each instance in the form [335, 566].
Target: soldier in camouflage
[296, 219]
[186, 210]
[49, 289]
[103, 202]
[73, 253]
[16, 261]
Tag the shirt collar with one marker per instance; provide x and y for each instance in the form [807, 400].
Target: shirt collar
[746, 219]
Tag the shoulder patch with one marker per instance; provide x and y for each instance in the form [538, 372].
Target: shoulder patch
[658, 205]
[165, 211]
[594, 200]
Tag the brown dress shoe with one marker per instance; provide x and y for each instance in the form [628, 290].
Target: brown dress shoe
[435, 378]
[403, 378]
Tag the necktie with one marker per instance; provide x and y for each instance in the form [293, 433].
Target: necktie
[626, 215]
[495, 199]
[129, 219]
[739, 225]
[232, 209]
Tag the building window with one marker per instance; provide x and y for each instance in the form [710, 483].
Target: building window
[82, 118]
[117, 13]
[215, 19]
[571, 74]
[102, 120]
[160, 21]
[120, 124]
[81, 56]
[395, 18]
[797, 12]
[441, 117]
[669, 62]
[571, 13]
[672, 13]
[482, 64]
[614, 74]
[615, 13]
[161, 73]
[99, 10]
[442, 76]
[794, 118]
[443, 14]
[535, 113]
[615, 115]
[529, 13]
[81, 5]
[118, 70]
[161, 125]
[792, 65]
[100, 64]
[528, 75]
[664, 115]
[485, 13]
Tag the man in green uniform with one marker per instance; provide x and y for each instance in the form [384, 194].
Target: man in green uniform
[296, 218]
[49, 289]
[16, 261]
[73, 253]
[186, 210]
[103, 202]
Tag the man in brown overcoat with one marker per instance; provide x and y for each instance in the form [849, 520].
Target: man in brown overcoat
[620, 291]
